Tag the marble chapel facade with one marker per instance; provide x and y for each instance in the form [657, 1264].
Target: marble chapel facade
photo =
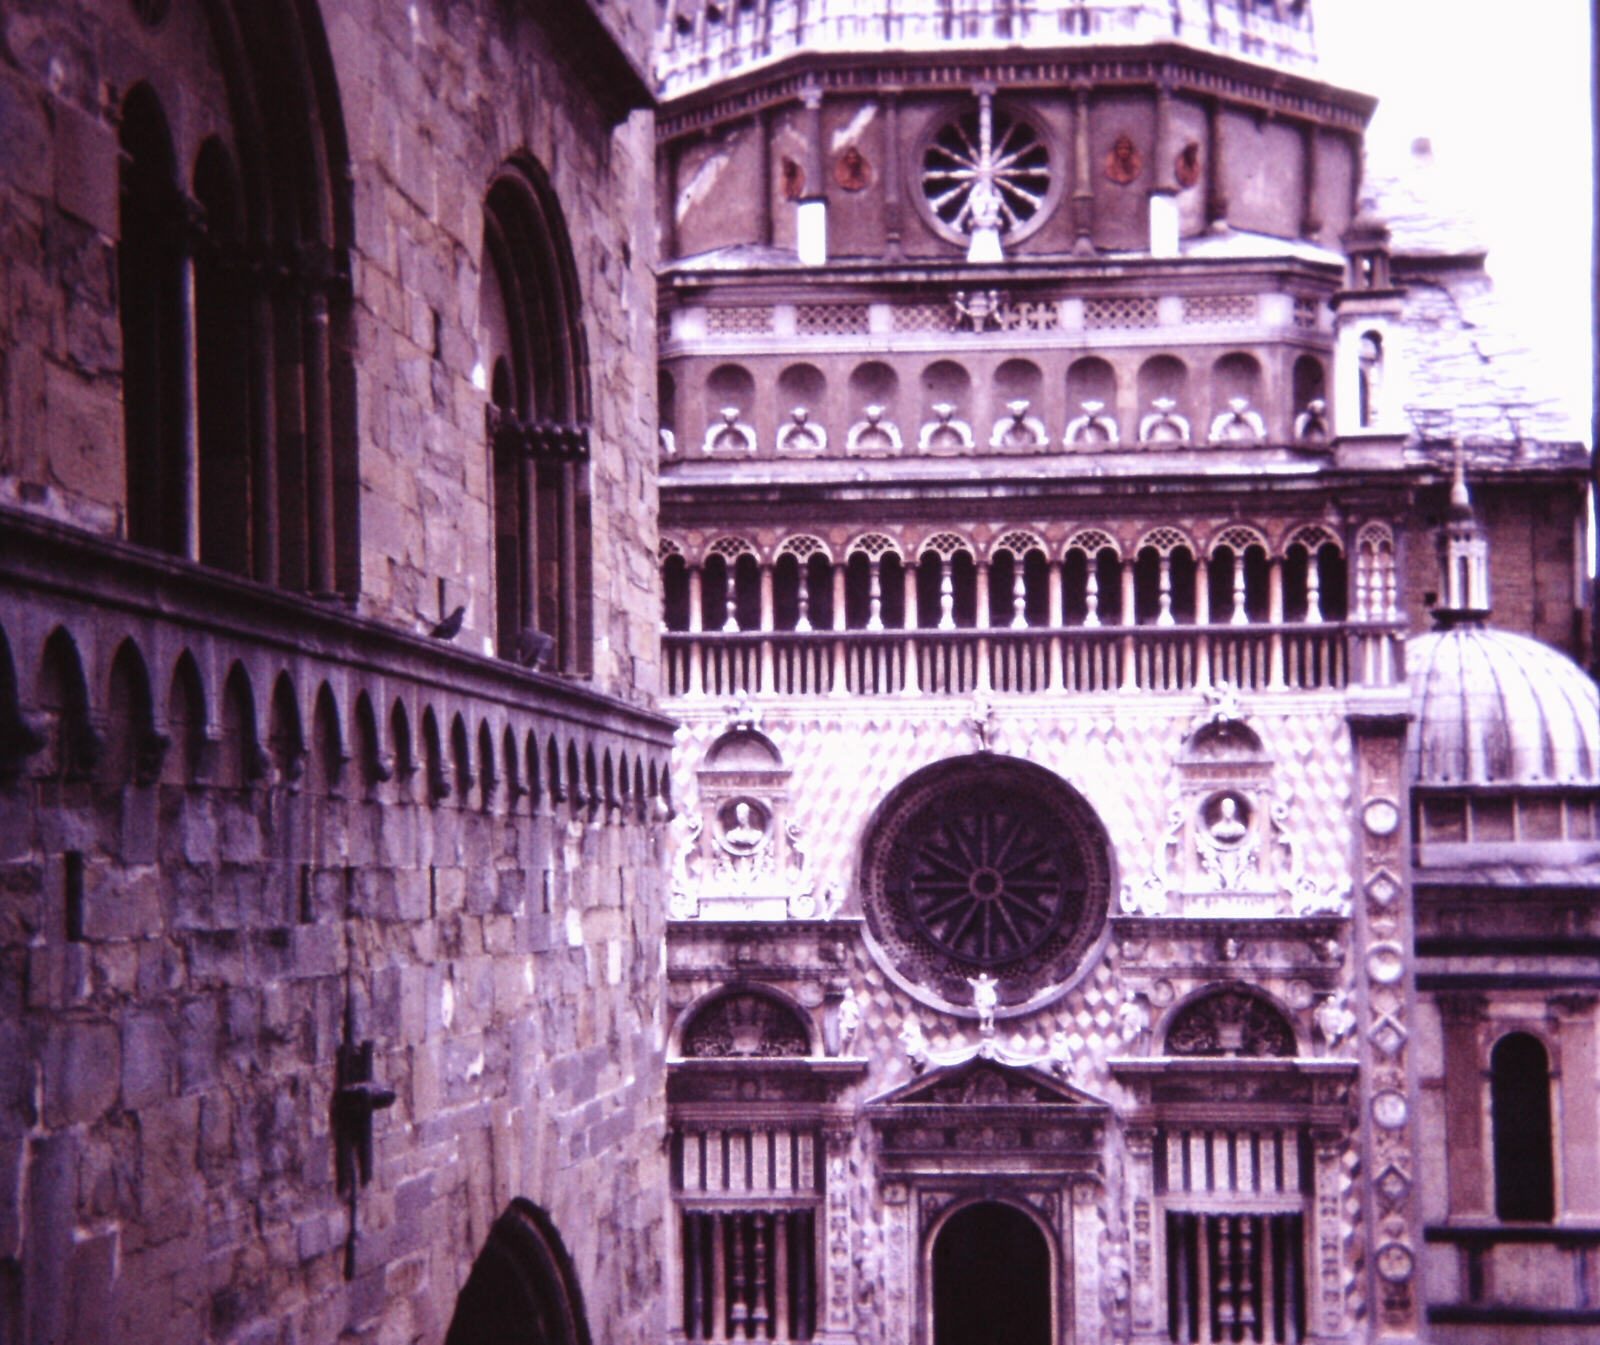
[1103, 906]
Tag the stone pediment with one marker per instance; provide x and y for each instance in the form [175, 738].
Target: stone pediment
[972, 1115]
[983, 1083]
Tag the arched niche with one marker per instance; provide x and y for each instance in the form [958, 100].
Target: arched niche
[1165, 416]
[1091, 402]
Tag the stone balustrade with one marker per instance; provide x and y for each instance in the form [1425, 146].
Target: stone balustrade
[1033, 661]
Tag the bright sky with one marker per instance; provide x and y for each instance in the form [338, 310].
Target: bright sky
[1502, 91]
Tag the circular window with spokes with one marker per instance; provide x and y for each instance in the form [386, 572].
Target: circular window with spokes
[986, 866]
[986, 164]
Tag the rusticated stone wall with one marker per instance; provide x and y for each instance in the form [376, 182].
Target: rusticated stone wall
[224, 854]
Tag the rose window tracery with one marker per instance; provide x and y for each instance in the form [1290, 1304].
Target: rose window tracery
[986, 168]
[985, 867]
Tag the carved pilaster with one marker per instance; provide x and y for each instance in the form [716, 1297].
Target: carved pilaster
[1326, 1314]
[1387, 998]
[1148, 1306]
[899, 1263]
[838, 1315]
[1086, 1271]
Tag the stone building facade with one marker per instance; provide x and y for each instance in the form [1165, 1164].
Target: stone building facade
[331, 786]
[1103, 908]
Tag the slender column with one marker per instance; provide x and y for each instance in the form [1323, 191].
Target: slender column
[528, 506]
[840, 682]
[1164, 187]
[1275, 616]
[1091, 592]
[1019, 594]
[1313, 587]
[812, 218]
[874, 596]
[1216, 176]
[893, 206]
[1241, 614]
[1053, 570]
[319, 447]
[191, 385]
[780, 1278]
[569, 567]
[263, 436]
[1082, 184]
[947, 597]
[1202, 619]
[696, 624]
[737, 1287]
[1130, 618]
[802, 597]
[763, 129]
[719, 1278]
[981, 621]
[696, 599]
[1310, 221]
[913, 620]
[766, 626]
[1164, 594]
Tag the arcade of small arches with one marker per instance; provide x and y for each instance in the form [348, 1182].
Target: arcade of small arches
[61, 725]
[1107, 403]
[947, 580]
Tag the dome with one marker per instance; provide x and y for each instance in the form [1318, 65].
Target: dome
[1493, 708]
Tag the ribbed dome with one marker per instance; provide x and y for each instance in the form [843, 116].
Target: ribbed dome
[1493, 708]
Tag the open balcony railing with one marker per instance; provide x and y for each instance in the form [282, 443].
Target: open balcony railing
[1035, 661]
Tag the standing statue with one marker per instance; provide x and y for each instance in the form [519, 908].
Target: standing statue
[985, 999]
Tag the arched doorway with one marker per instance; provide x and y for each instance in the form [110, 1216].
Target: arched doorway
[991, 1278]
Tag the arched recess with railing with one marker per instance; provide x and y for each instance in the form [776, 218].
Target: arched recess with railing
[802, 585]
[235, 307]
[1237, 576]
[1091, 579]
[1164, 578]
[730, 582]
[946, 583]
[675, 601]
[1019, 581]
[1315, 583]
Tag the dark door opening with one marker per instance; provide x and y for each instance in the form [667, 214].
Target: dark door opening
[991, 1278]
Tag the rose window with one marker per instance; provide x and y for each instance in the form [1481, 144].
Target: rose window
[986, 167]
[985, 866]
[985, 886]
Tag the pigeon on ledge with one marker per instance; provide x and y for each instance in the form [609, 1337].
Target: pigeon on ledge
[450, 627]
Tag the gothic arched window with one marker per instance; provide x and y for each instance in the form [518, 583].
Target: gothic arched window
[1519, 1097]
[538, 423]
[238, 387]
